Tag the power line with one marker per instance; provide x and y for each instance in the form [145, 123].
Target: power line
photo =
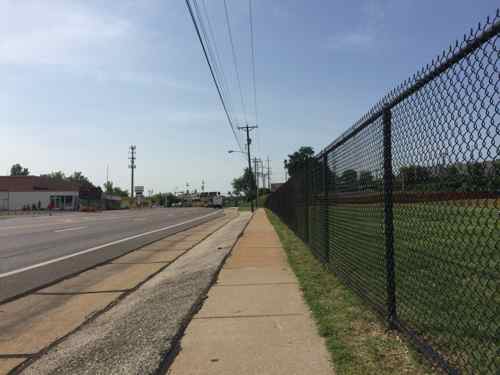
[235, 62]
[253, 75]
[250, 16]
[226, 92]
[217, 68]
[212, 73]
[214, 56]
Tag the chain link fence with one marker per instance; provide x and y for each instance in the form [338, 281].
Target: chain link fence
[404, 207]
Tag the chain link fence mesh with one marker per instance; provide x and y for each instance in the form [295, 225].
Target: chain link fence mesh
[404, 207]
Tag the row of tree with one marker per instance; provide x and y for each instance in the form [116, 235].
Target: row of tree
[109, 188]
[460, 177]
[470, 176]
[76, 177]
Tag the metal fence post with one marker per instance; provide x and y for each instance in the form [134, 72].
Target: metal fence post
[326, 206]
[388, 219]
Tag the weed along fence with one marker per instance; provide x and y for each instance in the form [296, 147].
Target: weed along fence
[404, 206]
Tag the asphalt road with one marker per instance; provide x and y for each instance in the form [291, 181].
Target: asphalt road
[27, 241]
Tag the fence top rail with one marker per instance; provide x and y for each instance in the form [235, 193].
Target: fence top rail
[449, 57]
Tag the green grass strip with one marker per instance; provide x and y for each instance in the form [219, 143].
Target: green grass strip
[355, 336]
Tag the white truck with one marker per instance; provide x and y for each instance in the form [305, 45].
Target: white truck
[215, 200]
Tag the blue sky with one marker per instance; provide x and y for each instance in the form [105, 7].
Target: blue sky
[82, 80]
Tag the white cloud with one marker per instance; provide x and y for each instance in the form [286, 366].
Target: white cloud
[57, 32]
[365, 33]
[140, 78]
[353, 39]
[81, 39]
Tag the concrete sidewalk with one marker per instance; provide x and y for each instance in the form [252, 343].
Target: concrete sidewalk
[254, 320]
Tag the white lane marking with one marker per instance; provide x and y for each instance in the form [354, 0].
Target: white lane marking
[10, 273]
[68, 229]
[140, 219]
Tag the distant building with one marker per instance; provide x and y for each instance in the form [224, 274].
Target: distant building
[89, 197]
[111, 202]
[18, 192]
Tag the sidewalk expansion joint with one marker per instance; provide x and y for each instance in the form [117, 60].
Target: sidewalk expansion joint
[247, 316]
[258, 284]
[164, 250]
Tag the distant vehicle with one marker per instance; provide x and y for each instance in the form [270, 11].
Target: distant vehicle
[215, 200]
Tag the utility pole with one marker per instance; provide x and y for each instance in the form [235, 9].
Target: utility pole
[249, 141]
[256, 166]
[284, 166]
[132, 167]
[263, 174]
[269, 174]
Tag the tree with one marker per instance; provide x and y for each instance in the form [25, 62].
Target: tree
[245, 184]
[171, 198]
[297, 160]
[55, 176]
[79, 179]
[454, 179]
[496, 175]
[414, 177]
[108, 187]
[120, 192]
[18, 170]
[349, 180]
[76, 178]
[366, 181]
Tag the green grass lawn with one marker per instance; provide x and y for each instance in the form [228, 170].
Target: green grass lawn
[447, 271]
[355, 336]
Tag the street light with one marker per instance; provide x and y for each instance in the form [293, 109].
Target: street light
[231, 151]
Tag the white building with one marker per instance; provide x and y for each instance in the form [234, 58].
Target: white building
[18, 192]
